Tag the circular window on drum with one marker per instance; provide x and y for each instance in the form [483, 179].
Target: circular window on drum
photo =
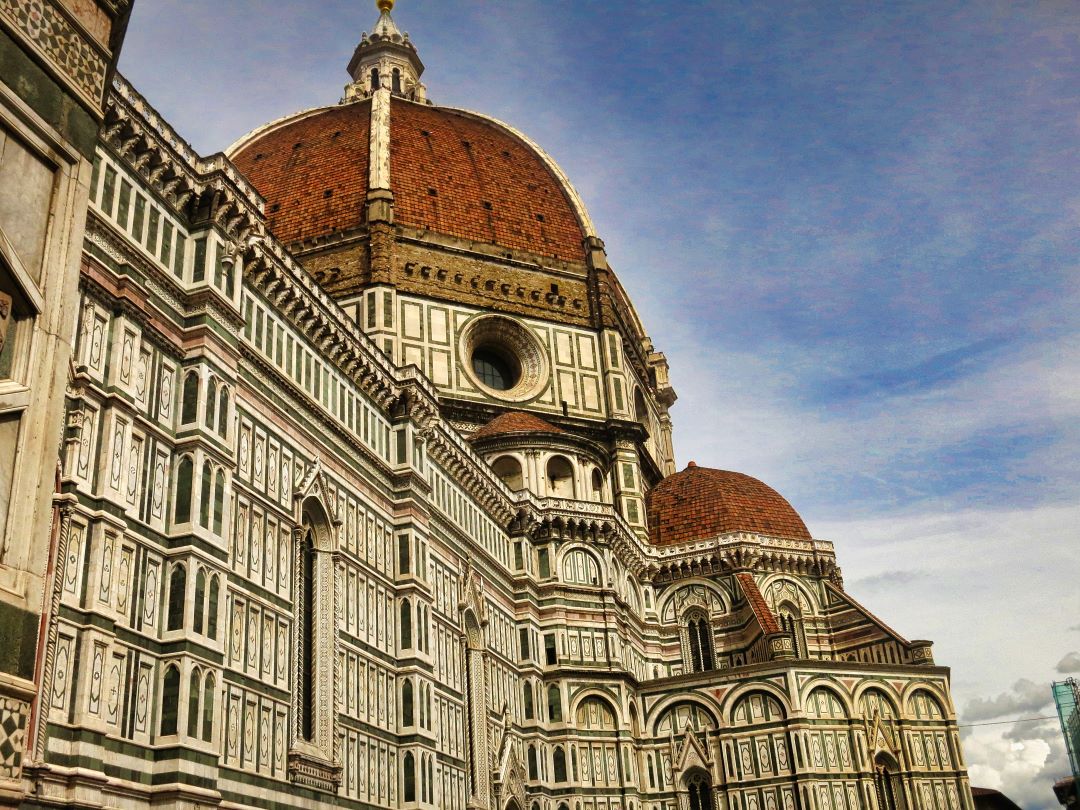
[503, 358]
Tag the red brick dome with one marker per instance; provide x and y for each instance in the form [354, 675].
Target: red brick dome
[451, 172]
[700, 503]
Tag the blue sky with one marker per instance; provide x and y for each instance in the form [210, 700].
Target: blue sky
[852, 227]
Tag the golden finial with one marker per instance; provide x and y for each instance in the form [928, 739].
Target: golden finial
[385, 5]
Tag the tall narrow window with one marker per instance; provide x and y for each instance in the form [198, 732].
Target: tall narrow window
[554, 704]
[205, 490]
[194, 693]
[219, 499]
[549, 649]
[185, 471]
[527, 700]
[208, 707]
[403, 554]
[699, 643]
[223, 412]
[395, 81]
[374, 79]
[170, 700]
[211, 402]
[700, 789]
[543, 561]
[200, 598]
[407, 703]
[883, 785]
[212, 609]
[558, 762]
[408, 776]
[406, 625]
[307, 670]
[189, 407]
[177, 597]
[532, 763]
[791, 623]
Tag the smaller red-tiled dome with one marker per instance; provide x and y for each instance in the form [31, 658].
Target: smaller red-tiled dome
[700, 503]
[514, 422]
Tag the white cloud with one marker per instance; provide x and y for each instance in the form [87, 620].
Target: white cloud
[1070, 664]
[1026, 697]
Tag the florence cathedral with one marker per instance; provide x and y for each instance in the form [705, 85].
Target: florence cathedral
[337, 472]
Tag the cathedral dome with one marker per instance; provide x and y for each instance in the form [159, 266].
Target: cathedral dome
[451, 172]
[700, 503]
[514, 422]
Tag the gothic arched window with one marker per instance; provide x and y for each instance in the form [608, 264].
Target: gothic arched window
[527, 700]
[206, 489]
[408, 775]
[554, 704]
[699, 642]
[185, 472]
[212, 608]
[219, 499]
[211, 402]
[558, 762]
[177, 597]
[532, 762]
[170, 700]
[406, 625]
[791, 623]
[883, 784]
[200, 598]
[395, 81]
[374, 79]
[223, 412]
[194, 693]
[208, 707]
[407, 703]
[307, 633]
[699, 786]
[189, 402]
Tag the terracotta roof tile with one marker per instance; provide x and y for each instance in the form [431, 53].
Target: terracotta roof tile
[313, 172]
[758, 604]
[488, 186]
[514, 422]
[700, 503]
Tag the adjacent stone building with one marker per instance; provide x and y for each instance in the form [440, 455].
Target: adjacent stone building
[368, 499]
[56, 60]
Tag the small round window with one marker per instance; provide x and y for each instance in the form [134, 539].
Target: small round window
[496, 369]
[503, 358]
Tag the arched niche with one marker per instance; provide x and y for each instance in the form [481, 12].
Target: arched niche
[509, 470]
[559, 477]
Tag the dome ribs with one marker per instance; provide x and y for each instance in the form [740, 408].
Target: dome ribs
[700, 503]
[491, 188]
[330, 151]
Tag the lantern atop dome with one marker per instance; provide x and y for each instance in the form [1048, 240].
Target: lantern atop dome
[385, 59]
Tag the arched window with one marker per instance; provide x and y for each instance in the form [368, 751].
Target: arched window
[207, 483]
[419, 627]
[554, 704]
[194, 693]
[532, 762]
[641, 409]
[560, 477]
[579, 567]
[170, 700]
[211, 402]
[189, 404]
[223, 412]
[699, 786]
[408, 775]
[558, 762]
[883, 783]
[395, 81]
[527, 700]
[597, 484]
[212, 608]
[407, 703]
[508, 469]
[791, 623]
[219, 499]
[200, 599]
[177, 597]
[185, 471]
[423, 704]
[208, 707]
[307, 625]
[699, 643]
[406, 625]
[374, 79]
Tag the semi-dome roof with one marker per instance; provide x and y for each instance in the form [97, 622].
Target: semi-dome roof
[701, 503]
[514, 422]
[451, 172]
